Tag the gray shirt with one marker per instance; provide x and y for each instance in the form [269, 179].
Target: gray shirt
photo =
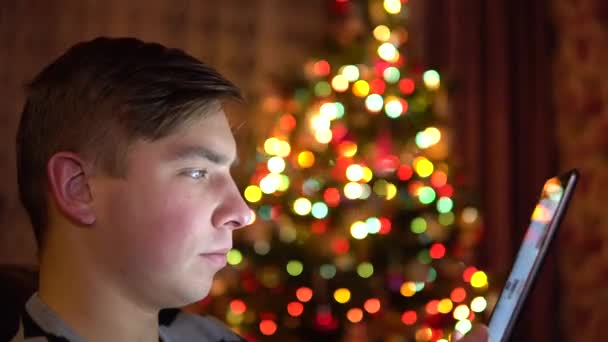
[39, 323]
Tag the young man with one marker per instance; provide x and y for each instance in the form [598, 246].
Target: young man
[124, 156]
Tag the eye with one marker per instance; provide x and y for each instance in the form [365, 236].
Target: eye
[197, 174]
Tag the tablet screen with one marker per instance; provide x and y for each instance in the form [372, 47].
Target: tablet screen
[545, 219]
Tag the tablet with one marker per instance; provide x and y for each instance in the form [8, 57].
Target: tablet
[545, 219]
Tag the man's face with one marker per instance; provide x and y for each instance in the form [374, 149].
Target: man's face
[163, 231]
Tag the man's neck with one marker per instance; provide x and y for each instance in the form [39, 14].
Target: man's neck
[89, 305]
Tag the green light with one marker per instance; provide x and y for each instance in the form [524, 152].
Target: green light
[374, 102]
[418, 225]
[423, 139]
[432, 276]
[427, 195]
[265, 212]
[234, 257]
[339, 110]
[322, 89]
[311, 186]
[327, 271]
[319, 210]
[284, 183]
[365, 270]
[391, 75]
[351, 72]
[419, 286]
[294, 268]
[393, 109]
[446, 219]
[373, 225]
[445, 205]
[424, 257]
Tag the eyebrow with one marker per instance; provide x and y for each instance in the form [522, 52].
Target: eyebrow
[195, 151]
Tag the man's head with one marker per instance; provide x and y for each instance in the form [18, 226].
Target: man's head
[124, 155]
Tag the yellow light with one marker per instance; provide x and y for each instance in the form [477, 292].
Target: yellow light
[350, 72]
[392, 6]
[541, 214]
[276, 164]
[354, 172]
[434, 134]
[479, 279]
[342, 295]
[329, 111]
[353, 190]
[271, 146]
[388, 52]
[252, 217]
[284, 149]
[306, 159]
[423, 167]
[270, 183]
[253, 193]
[320, 123]
[431, 79]
[408, 289]
[302, 206]
[479, 304]
[361, 88]
[461, 312]
[382, 33]
[359, 230]
[323, 136]
[339, 83]
[445, 306]
[367, 174]
[348, 148]
[391, 191]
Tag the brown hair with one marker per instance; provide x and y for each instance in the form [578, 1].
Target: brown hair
[97, 98]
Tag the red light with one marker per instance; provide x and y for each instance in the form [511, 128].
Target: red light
[446, 191]
[295, 309]
[332, 197]
[287, 122]
[304, 294]
[468, 273]
[372, 305]
[458, 295]
[268, 327]
[431, 307]
[437, 251]
[377, 86]
[405, 172]
[340, 245]
[439, 179]
[409, 317]
[385, 226]
[238, 306]
[322, 68]
[406, 86]
[319, 227]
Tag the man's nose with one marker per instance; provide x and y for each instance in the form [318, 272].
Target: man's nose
[233, 212]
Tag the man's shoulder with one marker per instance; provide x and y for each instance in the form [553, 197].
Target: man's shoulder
[190, 327]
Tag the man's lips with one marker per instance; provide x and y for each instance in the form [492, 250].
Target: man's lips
[217, 258]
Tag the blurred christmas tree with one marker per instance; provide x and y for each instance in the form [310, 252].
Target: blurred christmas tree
[361, 231]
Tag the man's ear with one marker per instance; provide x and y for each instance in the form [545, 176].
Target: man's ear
[69, 187]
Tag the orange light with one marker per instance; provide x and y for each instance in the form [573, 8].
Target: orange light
[268, 327]
[458, 295]
[304, 294]
[355, 315]
[295, 309]
[372, 305]
[238, 306]
[432, 307]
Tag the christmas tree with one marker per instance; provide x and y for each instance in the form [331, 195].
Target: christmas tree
[362, 230]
